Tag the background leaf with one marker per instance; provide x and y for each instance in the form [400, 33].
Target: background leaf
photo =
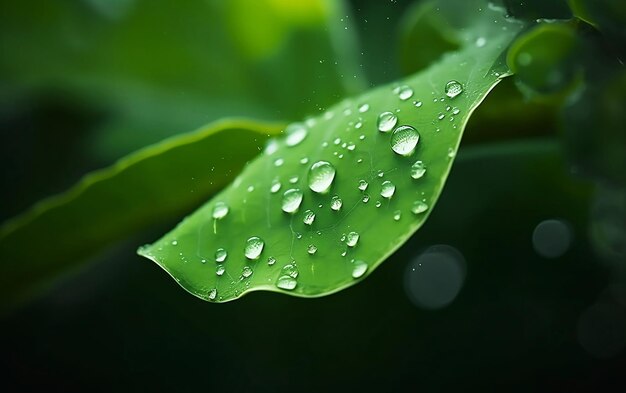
[157, 183]
[325, 254]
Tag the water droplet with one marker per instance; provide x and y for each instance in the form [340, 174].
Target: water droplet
[286, 282]
[271, 147]
[351, 147]
[456, 111]
[321, 176]
[419, 207]
[337, 141]
[271, 261]
[293, 179]
[336, 203]
[388, 189]
[311, 249]
[404, 139]
[296, 133]
[220, 255]
[453, 88]
[378, 204]
[309, 217]
[275, 187]
[212, 294]
[417, 104]
[250, 188]
[381, 173]
[361, 137]
[279, 162]
[441, 116]
[246, 272]
[298, 235]
[304, 160]
[344, 145]
[366, 198]
[363, 185]
[358, 269]
[343, 237]
[405, 92]
[360, 160]
[292, 199]
[386, 121]
[290, 270]
[352, 239]
[451, 152]
[481, 41]
[174, 242]
[358, 125]
[254, 247]
[397, 215]
[220, 270]
[364, 108]
[418, 170]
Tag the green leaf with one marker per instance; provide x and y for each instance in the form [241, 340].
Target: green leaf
[258, 246]
[157, 183]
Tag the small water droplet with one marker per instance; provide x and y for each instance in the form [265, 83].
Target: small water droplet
[456, 111]
[174, 242]
[381, 174]
[451, 152]
[293, 179]
[358, 269]
[271, 147]
[279, 162]
[404, 140]
[336, 203]
[321, 176]
[212, 294]
[220, 270]
[358, 125]
[220, 210]
[298, 236]
[363, 185]
[352, 239]
[271, 261]
[419, 207]
[453, 88]
[286, 282]
[220, 255]
[254, 247]
[366, 198]
[378, 204]
[418, 170]
[361, 137]
[481, 41]
[309, 217]
[360, 160]
[397, 215]
[441, 116]
[250, 188]
[292, 199]
[364, 108]
[351, 147]
[275, 187]
[343, 237]
[386, 121]
[418, 104]
[304, 160]
[246, 272]
[290, 270]
[311, 249]
[388, 189]
[405, 92]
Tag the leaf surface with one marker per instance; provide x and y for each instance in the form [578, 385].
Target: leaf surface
[256, 235]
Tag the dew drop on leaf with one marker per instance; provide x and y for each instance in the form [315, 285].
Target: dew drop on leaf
[212, 294]
[321, 176]
[296, 133]
[292, 199]
[275, 187]
[290, 270]
[311, 249]
[388, 189]
[418, 170]
[309, 217]
[279, 162]
[453, 88]
[271, 261]
[405, 92]
[366, 198]
[220, 210]
[286, 282]
[220, 270]
[220, 255]
[352, 239]
[363, 185]
[254, 247]
[246, 272]
[364, 108]
[358, 269]
[386, 121]
[397, 215]
[404, 140]
[336, 203]
[419, 207]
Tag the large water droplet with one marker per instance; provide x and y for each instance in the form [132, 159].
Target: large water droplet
[405, 92]
[418, 170]
[292, 199]
[336, 203]
[388, 189]
[321, 176]
[352, 239]
[311, 249]
[404, 139]
[309, 217]
[453, 88]
[358, 269]
[220, 210]
[363, 185]
[246, 272]
[220, 255]
[286, 282]
[386, 121]
[296, 133]
[212, 294]
[419, 207]
[254, 247]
